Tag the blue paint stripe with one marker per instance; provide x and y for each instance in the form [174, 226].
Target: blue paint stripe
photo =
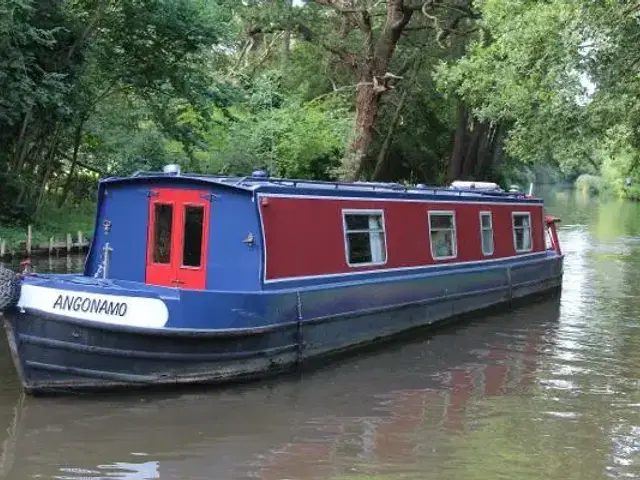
[399, 274]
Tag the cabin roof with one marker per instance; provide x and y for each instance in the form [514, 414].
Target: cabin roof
[264, 184]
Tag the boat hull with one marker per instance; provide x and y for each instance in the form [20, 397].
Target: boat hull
[56, 354]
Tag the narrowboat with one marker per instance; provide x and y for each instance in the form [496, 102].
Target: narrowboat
[205, 279]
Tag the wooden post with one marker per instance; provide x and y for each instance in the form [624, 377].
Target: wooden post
[69, 243]
[3, 248]
[80, 240]
[50, 246]
[28, 240]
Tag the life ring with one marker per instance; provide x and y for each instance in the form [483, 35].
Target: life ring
[9, 288]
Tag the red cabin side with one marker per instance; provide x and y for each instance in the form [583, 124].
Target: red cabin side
[305, 236]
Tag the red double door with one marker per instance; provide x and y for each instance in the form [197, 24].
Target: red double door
[177, 238]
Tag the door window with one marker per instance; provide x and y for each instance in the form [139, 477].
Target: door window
[162, 227]
[193, 227]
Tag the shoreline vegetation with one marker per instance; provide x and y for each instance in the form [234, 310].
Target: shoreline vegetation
[59, 230]
[595, 185]
[50, 232]
[408, 91]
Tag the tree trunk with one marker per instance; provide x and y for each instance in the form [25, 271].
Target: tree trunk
[373, 82]
[367, 105]
[47, 168]
[486, 152]
[498, 146]
[459, 144]
[475, 148]
[22, 143]
[382, 155]
[286, 40]
[471, 153]
[77, 138]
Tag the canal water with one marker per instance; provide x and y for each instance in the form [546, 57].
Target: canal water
[548, 391]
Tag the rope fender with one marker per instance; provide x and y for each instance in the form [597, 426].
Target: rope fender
[9, 288]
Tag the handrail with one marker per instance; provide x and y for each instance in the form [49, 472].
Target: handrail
[372, 186]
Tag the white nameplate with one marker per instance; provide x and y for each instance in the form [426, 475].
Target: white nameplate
[113, 309]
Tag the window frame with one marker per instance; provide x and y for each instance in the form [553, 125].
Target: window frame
[346, 231]
[513, 231]
[481, 214]
[454, 238]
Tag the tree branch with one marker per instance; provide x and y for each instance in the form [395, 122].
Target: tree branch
[338, 8]
[309, 36]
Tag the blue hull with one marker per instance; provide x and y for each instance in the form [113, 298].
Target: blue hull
[59, 354]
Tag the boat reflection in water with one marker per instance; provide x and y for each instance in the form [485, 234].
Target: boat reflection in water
[371, 413]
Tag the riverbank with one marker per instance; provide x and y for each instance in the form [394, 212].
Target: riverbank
[68, 227]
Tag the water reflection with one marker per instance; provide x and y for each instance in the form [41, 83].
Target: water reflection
[546, 391]
[50, 264]
[369, 414]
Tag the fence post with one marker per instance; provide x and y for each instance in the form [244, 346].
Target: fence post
[28, 240]
[80, 240]
[3, 248]
[50, 246]
[69, 243]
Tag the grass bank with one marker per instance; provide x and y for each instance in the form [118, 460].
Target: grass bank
[53, 222]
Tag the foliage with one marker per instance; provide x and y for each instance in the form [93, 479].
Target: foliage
[295, 141]
[589, 184]
[523, 70]
[616, 169]
[560, 74]
[61, 61]
[403, 90]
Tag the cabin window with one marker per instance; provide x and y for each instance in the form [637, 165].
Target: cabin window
[522, 232]
[486, 230]
[162, 227]
[442, 233]
[193, 226]
[365, 239]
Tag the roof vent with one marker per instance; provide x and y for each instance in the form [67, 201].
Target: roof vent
[171, 169]
[259, 174]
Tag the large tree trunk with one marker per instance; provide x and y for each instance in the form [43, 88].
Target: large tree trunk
[459, 142]
[373, 82]
[373, 58]
[367, 106]
[477, 146]
[384, 150]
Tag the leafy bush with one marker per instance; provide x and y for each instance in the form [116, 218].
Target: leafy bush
[295, 141]
[590, 184]
[615, 171]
